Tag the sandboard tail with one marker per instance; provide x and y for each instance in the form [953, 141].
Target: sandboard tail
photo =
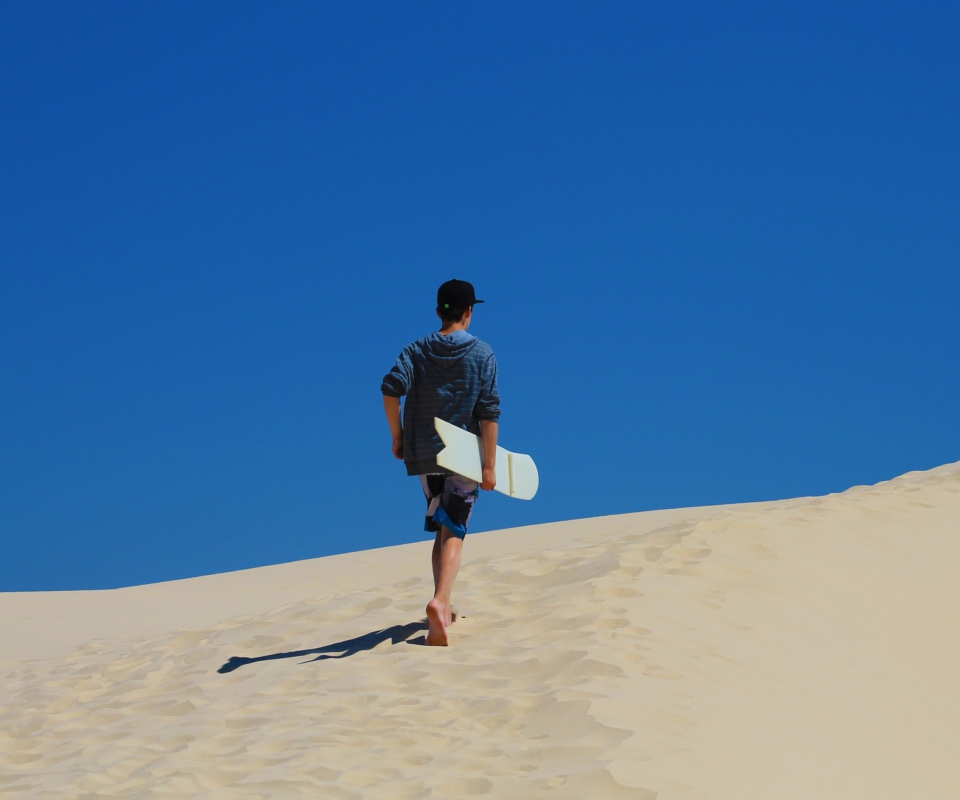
[463, 454]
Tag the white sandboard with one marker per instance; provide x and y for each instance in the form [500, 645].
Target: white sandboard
[463, 454]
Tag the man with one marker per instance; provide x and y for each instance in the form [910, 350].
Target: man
[452, 375]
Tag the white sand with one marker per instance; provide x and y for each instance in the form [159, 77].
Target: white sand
[801, 649]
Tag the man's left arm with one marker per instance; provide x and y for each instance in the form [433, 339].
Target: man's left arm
[392, 406]
[396, 383]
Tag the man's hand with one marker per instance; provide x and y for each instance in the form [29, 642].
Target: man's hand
[489, 478]
[398, 448]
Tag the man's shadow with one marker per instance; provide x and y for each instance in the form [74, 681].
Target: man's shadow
[348, 647]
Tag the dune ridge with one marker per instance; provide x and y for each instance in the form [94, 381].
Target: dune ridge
[800, 648]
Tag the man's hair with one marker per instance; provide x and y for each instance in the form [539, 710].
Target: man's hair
[451, 314]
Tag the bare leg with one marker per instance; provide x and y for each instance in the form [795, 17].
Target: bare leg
[435, 559]
[438, 609]
[437, 549]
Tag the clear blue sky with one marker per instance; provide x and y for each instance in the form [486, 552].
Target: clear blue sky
[718, 243]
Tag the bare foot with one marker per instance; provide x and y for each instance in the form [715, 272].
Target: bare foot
[436, 615]
[451, 614]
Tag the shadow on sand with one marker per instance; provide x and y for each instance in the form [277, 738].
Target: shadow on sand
[348, 647]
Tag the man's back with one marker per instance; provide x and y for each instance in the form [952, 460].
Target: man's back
[452, 376]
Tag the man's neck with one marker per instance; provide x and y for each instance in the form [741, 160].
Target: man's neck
[446, 330]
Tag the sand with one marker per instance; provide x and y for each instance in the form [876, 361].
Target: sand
[804, 648]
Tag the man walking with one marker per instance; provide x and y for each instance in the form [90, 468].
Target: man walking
[452, 375]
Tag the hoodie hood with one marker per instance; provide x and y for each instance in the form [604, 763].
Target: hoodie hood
[448, 350]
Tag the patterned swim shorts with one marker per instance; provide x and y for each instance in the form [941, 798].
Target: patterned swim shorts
[450, 500]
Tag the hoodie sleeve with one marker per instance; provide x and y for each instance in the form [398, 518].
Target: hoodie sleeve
[397, 382]
[488, 403]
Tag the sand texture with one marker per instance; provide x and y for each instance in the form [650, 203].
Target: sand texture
[806, 648]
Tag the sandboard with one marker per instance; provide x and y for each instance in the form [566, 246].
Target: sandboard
[517, 475]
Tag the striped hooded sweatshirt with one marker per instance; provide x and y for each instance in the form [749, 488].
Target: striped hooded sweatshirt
[453, 377]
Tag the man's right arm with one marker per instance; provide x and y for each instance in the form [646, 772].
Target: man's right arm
[489, 430]
[392, 406]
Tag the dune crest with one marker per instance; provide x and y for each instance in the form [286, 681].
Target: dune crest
[801, 648]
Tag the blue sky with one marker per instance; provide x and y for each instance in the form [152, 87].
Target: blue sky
[718, 243]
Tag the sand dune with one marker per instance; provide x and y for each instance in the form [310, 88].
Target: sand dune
[798, 649]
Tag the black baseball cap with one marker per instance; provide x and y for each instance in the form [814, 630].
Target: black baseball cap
[456, 294]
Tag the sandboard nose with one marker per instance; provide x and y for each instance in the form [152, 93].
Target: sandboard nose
[524, 476]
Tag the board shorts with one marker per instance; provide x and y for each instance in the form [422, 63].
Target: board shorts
[450, 500]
